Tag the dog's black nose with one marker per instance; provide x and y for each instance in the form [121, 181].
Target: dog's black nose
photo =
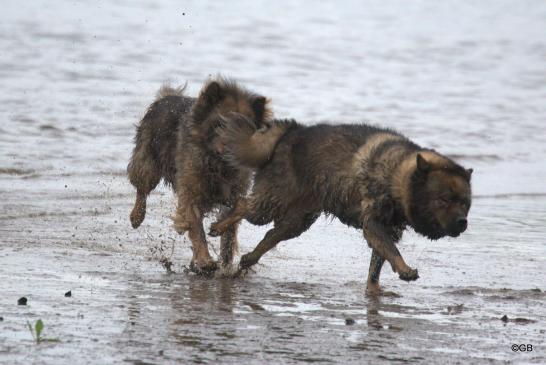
[461, 224]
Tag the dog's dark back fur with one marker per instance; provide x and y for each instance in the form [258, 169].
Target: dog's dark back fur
[158, 131]
[336, 167]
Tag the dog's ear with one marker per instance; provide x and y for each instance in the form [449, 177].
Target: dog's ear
[258, 107]
[213, 93]
[422, 164]
[468, 174]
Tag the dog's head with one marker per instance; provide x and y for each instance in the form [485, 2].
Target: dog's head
[220, 97]
[440, 197]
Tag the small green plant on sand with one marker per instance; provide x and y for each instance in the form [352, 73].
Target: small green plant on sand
[36, 332]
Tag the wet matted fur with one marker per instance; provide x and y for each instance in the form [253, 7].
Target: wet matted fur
[370, 178]
[176, 141]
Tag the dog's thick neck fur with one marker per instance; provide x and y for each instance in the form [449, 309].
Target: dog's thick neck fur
[401, 183]
[393, 181]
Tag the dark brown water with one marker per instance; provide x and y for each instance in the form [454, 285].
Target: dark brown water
[466, 78]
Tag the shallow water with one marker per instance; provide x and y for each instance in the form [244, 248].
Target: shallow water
[465, 78]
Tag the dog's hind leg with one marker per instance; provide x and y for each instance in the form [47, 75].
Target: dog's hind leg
[376, 263]
[290, 227]
[144, 173]
[229, 245]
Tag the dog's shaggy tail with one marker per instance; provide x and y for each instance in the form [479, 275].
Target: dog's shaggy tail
[167, 90]
[246, 146]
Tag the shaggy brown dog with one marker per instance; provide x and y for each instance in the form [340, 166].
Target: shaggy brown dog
[370, 178]
[176, 142]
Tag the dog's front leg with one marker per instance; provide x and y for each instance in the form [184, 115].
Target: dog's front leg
[383, 244]
[376, 264]
[202, 262]
[189, 218]
[232, 218]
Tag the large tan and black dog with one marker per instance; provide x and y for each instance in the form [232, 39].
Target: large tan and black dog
[176, 141]
[370, 178]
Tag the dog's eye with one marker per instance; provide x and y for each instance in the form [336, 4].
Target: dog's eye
[443, 201]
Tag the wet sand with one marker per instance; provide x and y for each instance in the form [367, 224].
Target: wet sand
[126, 308]
[464, 78]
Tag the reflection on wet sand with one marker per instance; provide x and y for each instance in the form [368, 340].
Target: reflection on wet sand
[190, 318]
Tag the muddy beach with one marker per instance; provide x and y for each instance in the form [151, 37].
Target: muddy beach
[464, 78]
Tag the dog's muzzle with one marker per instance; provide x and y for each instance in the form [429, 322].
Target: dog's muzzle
[458, 227]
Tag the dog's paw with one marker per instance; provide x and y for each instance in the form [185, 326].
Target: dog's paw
[247, 261]
[373, 289]
[214, 231]
[136, 218]
[205, 269]
[241, 272]
[409, 275]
